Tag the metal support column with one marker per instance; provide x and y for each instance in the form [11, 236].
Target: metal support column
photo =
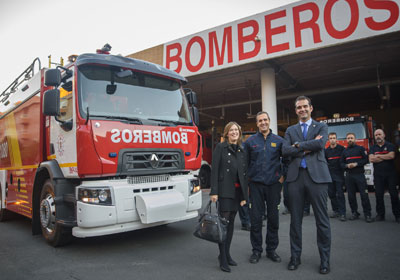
[268, 96]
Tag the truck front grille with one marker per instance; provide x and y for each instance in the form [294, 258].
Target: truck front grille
[150, 161]
[148, 179]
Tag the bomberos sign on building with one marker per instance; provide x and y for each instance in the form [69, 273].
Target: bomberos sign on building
[298, 27]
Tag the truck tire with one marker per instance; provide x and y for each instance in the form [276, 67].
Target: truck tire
[205, 177]
[4, 213]
[54, 233]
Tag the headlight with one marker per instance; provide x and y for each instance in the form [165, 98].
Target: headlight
[95, 195]
[194, 186]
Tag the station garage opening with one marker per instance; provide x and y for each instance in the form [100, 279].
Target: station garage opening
[343, 54]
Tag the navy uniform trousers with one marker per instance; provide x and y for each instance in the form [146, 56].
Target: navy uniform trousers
[259, 194]
[354, 182]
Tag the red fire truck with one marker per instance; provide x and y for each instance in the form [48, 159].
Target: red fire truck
[106, 144]
[204, 173]
[362, 126]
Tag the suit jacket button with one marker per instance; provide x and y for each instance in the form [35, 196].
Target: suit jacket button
[229, 154]
[229, 161]
[227, 170]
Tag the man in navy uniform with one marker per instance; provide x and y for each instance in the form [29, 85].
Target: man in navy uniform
[335, 189]
[382, 156]
[265, 172]
[308, 174]
[353, 159]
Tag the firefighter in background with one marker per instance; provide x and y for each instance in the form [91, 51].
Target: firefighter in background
[397, 143]
[397, 136]
[335, 189]
[353, 159]
[382, 155]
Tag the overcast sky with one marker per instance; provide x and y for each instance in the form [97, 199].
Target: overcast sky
[39, 28]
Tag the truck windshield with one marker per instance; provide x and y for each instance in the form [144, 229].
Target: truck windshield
[342, 129]
[133, 95]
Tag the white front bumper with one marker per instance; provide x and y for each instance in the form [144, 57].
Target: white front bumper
[118, 228]
[137, 206]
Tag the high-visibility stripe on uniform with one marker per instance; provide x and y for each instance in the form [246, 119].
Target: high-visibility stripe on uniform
[333, 158]
[353, 157]
[381, 153]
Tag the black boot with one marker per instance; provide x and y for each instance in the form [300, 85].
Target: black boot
[228, 242]
[223, 262]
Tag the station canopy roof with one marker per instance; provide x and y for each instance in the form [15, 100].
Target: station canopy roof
[345, 55]
[343, 78]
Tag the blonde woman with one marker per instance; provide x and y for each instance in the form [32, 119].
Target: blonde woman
[229, 185]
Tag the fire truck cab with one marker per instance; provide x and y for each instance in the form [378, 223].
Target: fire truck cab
[106, 144]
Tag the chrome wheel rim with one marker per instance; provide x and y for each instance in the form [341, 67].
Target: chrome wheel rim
[48, 213]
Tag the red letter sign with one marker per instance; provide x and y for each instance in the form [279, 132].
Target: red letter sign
[226, 42]
[189, 65]
[176, 57]
[382, 5]
[249, 38]
[312, 23]
[269, 31]
[353, 21]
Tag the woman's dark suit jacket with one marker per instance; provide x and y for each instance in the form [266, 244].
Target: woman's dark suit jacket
[222, 179]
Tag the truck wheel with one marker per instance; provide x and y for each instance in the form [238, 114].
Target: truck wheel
[54, 233]
[204, 176]
[4, 213]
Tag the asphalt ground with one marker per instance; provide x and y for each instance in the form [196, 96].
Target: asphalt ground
[359, 251]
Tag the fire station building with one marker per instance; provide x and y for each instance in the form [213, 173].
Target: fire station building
[343, 54]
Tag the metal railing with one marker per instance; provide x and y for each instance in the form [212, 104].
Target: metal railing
[27, 74]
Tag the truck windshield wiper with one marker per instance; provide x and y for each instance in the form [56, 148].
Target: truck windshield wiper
[170, 121]
[128, 119]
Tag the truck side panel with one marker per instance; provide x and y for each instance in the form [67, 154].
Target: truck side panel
[21, 150]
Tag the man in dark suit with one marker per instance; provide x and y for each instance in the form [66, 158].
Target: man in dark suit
[308, 174]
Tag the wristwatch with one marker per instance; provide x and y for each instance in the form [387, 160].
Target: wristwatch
[296, 144]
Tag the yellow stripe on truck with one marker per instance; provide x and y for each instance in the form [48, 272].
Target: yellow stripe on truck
[21, 167]
[71, 164]
[13, 145]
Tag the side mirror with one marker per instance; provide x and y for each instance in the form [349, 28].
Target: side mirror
[51, 102]
[110, 89]
[52, 77]
[195, 115]
[191, 98]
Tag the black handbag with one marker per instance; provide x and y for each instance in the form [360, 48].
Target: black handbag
[211, 226]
